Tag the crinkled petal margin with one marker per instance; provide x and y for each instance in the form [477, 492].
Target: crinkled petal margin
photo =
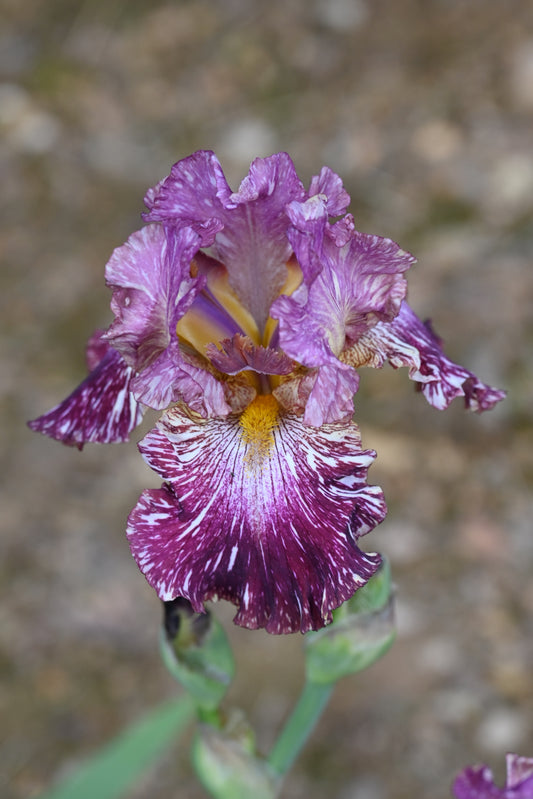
[102, 409]
[274, 533]
[407, 341]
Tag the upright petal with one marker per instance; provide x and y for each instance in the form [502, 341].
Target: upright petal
[248, 226]
[355, 287]
[329, 184]
[190, 196]
[254, 245]
[102, 409]
[407, 341]
[152, 290]
[261, 510]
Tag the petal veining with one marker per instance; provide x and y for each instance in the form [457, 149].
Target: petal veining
[407, 341]
[102, 409]
[352, 288]
[153, 289]
[263, 513]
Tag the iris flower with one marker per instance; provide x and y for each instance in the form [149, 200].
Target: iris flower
[244, 317]
[477, 782]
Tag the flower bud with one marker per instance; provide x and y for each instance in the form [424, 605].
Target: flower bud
[361, 631]
[196, 651]
[226, 763]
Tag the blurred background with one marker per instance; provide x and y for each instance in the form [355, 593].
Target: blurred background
[425, 108]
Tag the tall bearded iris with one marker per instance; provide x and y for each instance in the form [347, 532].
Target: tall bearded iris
[244, 316]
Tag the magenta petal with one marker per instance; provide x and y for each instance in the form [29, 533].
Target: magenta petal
[97, 348]
[274, 533]
[152, 289]
[330, 184]
[102, 409]
[331, 397]
[477, 782]
[241, 354]
[170, 379]
[519, 771]
[254, 245]
[190, 196]
[355, 286]
[407, 341]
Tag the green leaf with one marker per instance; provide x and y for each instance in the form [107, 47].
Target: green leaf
[116, 767]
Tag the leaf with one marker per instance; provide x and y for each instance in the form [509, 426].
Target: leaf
[116, 767]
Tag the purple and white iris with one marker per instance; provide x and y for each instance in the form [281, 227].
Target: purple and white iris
[477, 782]
[245, 316]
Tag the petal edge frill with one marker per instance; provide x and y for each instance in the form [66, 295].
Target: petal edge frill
[272, 530]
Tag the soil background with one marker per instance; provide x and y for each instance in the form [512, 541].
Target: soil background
[426, 111]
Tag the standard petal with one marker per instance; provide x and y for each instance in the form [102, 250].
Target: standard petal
[266, 517]
[190, 196]
[248, 227]
[356, 286]
[330, 184]
[152, 289]
[254, 245]
[102, 409]
[407, 341]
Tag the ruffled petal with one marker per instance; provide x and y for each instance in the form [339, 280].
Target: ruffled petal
[248, 226]
[102, 409]
[330, 184]
[254, 245]
[241, 354]
[152, 291]
[407, 341]
[356, 286]
[268, 520]
[331, 397]
[170, 378]
[190, 196]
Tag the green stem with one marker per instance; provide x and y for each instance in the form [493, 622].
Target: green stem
[300, 725]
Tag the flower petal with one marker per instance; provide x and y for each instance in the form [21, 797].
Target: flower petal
[477, 782]
[102, 409]
[356, 285]
[240, 353]
[254, 245]
[190, 196]
[251, 235]
[330, 184]
[407, 341]
[152, 290]
[519, 769]
[269, 524]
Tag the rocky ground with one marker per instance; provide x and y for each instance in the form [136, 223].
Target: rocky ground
[426, 110]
